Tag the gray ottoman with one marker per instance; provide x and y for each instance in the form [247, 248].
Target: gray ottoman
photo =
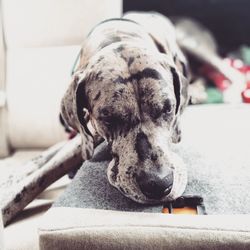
[216, 149]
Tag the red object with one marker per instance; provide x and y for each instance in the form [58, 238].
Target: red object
[222, 83]
[246, 94]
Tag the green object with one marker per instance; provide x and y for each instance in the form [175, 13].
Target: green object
[245, 54]
[214, 95]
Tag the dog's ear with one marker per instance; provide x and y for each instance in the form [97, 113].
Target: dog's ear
[177, 88]
[67, 112]
[74, 111]
[180, 83]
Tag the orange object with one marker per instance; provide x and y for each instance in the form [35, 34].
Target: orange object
[188, 204]
[184, 210]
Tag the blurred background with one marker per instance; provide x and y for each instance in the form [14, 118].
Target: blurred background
[228, 20]
[40, 41]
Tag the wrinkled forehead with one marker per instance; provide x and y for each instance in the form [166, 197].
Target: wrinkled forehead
[133, 78]
[111, 93]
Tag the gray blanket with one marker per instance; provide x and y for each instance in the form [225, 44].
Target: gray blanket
[216, 149]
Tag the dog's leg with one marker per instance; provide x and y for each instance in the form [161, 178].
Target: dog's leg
[67, 158]
[43, 170]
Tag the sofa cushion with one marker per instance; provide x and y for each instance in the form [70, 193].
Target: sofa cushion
[46, 23]
[77, 228]
[37, 80]
[215, 148]
[42, 40]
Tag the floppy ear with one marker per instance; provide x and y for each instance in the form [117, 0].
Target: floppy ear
[74, 111]
[177, 88]
[180, 83]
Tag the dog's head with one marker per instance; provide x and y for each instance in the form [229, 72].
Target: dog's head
[134, 103]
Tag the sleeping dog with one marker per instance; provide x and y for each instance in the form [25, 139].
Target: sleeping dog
[130, 88]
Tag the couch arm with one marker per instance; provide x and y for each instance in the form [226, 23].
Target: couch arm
[4, 149]
[1, 233]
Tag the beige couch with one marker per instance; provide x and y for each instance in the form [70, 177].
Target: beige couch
[39, 42]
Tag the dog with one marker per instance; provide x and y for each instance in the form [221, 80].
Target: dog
[130, 88]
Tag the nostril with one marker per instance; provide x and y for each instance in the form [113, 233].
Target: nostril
[153, 186]
[154, 156]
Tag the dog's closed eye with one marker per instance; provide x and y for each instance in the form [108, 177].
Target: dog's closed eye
[104, 112]
[109, 116]
[118, 120]
[167, 107]
[164, 110]
[167, 110]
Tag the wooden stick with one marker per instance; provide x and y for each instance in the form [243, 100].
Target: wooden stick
[59, 160]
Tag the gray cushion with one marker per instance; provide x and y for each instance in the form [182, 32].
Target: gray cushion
[216, 149]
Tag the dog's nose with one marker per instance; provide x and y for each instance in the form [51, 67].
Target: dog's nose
[153, 186]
